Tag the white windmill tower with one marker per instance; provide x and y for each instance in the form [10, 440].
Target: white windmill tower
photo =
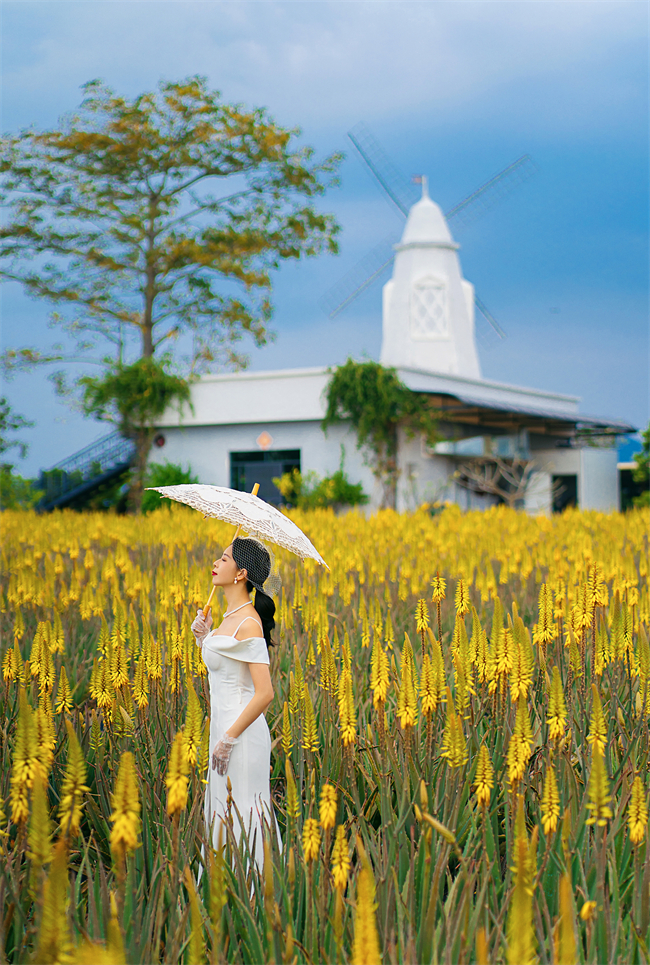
[428, 307]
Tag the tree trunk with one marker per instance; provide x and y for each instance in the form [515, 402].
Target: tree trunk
[391, 471]
[143, 439]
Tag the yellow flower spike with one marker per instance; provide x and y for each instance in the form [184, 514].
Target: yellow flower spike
[63, 694]
[421, 616]
[25, 761]
[544, 631]
[73, 787]
[598, 790]
[366, 949]
[176, 779]
[597, 736]
[299, 676]
[461, 599]
[310, 840]
[454, 746]
[293, 804]
[637, 812]
[438, 585]
[379, 674]
[550, 802]
[340, 859]
[557, 711]
[424, 797]
[287, 737]
[484, 780]
[520, 929]
[347, 710]
[19, 625]
[54, 943]
[10, 665]
[125, 814]
[39, 834]
[193, 730]
[428, 689]
[141, 683]
[407, 704]
[309, 729]
[565, 946]
[520, 745]
[328, 801]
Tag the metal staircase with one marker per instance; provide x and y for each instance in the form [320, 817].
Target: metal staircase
[85, 471]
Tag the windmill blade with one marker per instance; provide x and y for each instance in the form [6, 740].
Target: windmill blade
[489, 317]
[399, 189]
[496, 189]
[359, 278]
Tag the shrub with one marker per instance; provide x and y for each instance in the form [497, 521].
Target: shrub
[311, 491]
[16, 492]
[164, 474]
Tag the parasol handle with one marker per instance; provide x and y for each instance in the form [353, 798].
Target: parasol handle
[207, 607]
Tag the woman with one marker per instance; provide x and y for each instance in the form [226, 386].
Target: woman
[236, 655]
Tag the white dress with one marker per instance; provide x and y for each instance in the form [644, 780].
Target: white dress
[231, 688]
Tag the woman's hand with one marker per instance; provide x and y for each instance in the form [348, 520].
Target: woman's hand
[201, 626]
[221, 753]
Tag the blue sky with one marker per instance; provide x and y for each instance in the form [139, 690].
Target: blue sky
[454, 90]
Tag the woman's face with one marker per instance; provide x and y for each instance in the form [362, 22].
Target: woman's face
[224, 570]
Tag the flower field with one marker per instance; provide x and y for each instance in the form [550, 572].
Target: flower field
[460, 762]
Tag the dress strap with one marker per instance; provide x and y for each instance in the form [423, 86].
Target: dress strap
[244, 621]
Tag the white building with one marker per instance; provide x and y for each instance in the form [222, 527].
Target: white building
[251, 426]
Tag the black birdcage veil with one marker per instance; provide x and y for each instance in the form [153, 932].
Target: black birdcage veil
[253, 556]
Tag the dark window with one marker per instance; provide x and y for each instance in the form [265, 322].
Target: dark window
[565, 492]
[248, 468]
[629, 488]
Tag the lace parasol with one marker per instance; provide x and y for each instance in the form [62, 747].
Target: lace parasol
[255, 516]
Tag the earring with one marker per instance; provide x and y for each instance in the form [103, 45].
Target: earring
[235, 579]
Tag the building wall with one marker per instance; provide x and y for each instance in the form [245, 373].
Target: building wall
[424, 476]
[598, 482]
[207, 449]
[595, 468]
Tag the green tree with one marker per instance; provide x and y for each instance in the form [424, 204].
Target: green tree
[15, 491]
[378, 405]
[151, 223]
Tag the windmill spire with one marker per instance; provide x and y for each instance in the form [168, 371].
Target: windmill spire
[428, 307]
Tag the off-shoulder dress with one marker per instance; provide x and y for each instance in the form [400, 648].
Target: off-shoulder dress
[231, 688]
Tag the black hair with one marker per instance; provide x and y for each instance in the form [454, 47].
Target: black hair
[265, 610]
[253, 556]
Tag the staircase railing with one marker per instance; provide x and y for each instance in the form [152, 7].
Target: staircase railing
[85, 470]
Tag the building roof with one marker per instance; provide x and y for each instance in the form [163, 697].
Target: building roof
[298, 395]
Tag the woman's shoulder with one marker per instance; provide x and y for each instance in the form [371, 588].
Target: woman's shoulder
[250, 649]
[243, 631]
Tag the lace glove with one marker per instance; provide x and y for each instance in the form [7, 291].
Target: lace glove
[201, 626]
[221, 753]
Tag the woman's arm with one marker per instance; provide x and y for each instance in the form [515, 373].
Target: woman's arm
[261, 677]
